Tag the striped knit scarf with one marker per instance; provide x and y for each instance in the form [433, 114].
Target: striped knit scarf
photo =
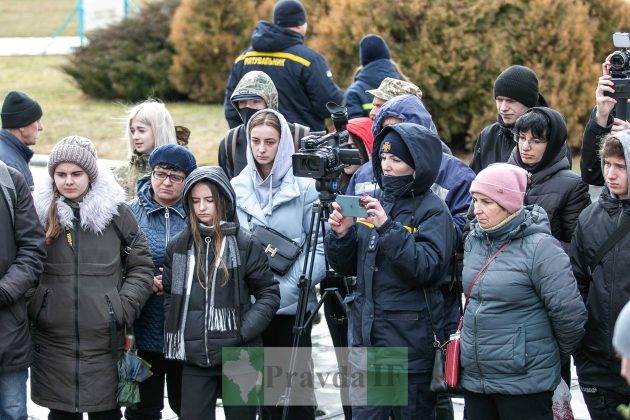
[221, 313]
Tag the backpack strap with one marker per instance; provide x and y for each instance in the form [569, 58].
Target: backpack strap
[230, 144]
[300, 131]
[125, 247]
[8, 189]
[619, 233]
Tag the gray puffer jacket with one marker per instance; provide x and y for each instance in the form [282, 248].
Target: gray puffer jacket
[524, 312]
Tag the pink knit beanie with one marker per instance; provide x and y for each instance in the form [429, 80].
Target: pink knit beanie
[503, 183]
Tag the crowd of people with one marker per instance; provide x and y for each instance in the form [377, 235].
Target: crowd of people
[508, 252]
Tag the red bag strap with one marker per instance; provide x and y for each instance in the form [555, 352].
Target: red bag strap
[478, 276]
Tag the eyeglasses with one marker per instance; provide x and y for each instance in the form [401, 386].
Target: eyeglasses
[532, 142]
[175, 179]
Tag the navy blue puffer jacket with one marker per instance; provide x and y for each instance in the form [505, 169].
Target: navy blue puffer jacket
[357, 100]
[159, 224]
[395, 262]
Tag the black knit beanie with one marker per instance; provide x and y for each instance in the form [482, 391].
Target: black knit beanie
[519, 83]
[372, 47]
[289, 13]
[19, 110]
[394, 144]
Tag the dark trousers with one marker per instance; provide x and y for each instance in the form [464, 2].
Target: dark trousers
[602, 403]
[508, 407]
[338, 328]
[421, 403]
[98, 415]
[279, 333]
[200, 392]
[565, 370]
[444, 408]
[152, 390]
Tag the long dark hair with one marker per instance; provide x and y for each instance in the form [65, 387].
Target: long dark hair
[221, 204]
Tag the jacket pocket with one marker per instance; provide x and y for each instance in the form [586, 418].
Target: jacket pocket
[114, 308]
[501, 350]
[409, 329]
[37, 305]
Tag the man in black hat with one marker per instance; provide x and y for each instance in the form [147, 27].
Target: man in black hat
[21, 126]
[515, 91]
[300, 74]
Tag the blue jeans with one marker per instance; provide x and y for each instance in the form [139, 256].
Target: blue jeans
[13, 395]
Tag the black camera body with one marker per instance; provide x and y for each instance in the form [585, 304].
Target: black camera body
[620, 74]
[324, 157]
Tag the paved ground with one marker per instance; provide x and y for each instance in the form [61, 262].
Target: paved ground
[323, 355]
[38, 46]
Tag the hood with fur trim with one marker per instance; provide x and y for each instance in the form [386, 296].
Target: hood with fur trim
[98, 208]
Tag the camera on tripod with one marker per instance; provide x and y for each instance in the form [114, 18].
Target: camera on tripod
[324, 157]
[620, 73]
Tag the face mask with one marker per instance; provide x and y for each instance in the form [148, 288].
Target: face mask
[246, 114]
[395, 186]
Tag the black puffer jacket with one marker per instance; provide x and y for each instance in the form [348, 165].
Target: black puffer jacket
[605, 290]
[553, 186]
[22, 257]
[495, 144]
[253, 278]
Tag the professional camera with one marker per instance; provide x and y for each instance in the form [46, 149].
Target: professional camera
[620, 72]
[324, 157]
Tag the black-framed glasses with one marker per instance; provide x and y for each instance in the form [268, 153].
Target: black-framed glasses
[175, 179]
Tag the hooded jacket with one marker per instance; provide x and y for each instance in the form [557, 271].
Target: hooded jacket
[301, 76]
[410, 252]
[16, 155]
[253, 83]
[495, 144]
[159, 224]
[357, 100]
[252, 278]
[552, 185]
[85, 297]
[22, 258]
[454, 177]
[605, 288]
[524, 313]
[280, 198]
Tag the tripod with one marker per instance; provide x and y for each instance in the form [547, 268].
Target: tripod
[319, 215]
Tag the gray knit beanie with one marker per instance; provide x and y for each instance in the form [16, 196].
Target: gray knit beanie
[74, 149]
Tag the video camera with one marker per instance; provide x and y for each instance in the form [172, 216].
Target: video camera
[620, 72]
[324, 157]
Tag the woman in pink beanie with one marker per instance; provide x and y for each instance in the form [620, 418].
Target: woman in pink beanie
[523, 310]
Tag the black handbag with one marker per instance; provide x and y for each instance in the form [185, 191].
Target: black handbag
[281, 251]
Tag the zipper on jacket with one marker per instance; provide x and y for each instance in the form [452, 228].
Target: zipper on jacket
[41, 308]
[205, 324]
[479, 284]
[76, 315]
[168, 227]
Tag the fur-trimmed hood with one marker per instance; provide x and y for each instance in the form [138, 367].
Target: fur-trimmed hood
[98, 208]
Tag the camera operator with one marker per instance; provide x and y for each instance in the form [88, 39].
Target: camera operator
[400, 250]
[269, 195]
[601, 122]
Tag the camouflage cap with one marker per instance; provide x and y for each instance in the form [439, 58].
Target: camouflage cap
[256, 83]
[390, 88]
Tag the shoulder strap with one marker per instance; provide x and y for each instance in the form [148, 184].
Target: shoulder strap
[436, 342]
[125, 248]
[8, 189]
[300, 131]
[619, 233]
[483, 270]
[230, 144]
